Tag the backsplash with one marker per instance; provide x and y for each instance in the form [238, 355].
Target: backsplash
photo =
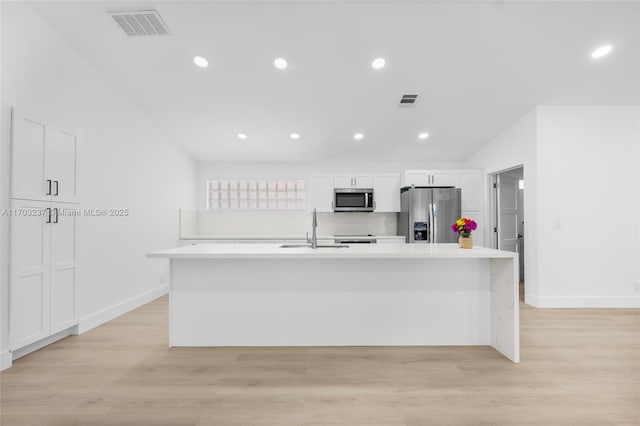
[222, 223]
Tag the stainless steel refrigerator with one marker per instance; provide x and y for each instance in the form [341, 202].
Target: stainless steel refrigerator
[426, 214]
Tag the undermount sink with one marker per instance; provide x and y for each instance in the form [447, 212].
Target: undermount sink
[309, 246]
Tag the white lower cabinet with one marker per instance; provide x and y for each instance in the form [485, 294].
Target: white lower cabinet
[43, 271]
[391, 240]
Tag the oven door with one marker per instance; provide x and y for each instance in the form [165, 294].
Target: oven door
[352, 200]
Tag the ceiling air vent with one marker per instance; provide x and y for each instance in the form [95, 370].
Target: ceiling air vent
[140, 23]
[408, 100]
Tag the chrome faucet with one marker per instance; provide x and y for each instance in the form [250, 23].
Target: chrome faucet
[314, 236]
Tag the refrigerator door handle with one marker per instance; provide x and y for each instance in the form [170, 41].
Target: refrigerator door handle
[431, 236]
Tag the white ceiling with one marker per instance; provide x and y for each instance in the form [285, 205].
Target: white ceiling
[476, 66]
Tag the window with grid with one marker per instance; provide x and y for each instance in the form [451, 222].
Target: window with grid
[256, 194]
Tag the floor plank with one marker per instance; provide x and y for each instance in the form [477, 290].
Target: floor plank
[579, 366]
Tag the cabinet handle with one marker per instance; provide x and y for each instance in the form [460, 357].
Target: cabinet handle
[56, 215]
[48, 210]
[57, 185]
[48, 187]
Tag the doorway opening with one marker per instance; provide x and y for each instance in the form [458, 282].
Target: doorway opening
[507, 201]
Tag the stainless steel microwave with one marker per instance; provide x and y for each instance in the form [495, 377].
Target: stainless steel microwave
[353, 200]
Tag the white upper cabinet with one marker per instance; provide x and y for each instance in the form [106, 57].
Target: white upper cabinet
[321, 192]
[472, 189]
[386, 192]
[444, 178]
[430, 178]
[353, 180]
[43, 161]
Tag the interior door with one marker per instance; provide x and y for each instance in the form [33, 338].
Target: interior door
[62, 167]
[29, 285]
[63, 267]
[507, 193]
[28, 176]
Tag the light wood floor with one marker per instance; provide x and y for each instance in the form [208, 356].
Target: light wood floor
[579, 367]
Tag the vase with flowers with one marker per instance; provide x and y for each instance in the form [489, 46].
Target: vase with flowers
[464, 226]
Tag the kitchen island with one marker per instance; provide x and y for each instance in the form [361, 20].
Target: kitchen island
[362, 295]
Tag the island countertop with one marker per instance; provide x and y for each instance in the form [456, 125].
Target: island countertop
[354, 251]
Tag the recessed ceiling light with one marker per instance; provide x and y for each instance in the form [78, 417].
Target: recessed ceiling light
[242, 136]
[358, 136]
[200, 61]
[601, 51]
[294, 136]
[378, 63]
[280, 63]
[423, 136]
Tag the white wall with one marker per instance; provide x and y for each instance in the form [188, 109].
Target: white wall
[296, 170]
[588, 206]
[581, 182]
[126, 162]
[515, 146]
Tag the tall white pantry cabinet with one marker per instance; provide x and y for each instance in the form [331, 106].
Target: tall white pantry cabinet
[44, 197]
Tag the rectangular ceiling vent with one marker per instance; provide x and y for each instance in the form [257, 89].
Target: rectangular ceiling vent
[141, 23]
[408, 100]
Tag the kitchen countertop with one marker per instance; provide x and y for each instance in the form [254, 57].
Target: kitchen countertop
[355, 251]
[281, 237]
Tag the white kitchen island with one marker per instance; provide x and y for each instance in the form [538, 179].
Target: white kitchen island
[363, 295]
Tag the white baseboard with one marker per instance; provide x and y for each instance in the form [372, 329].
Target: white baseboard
[105, 315]
[584, 301]
[5, 360]
[26, 350]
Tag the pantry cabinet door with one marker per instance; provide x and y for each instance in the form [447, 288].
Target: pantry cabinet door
[63, 267]
[29, 279]
[62, 165]
[28, 175]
